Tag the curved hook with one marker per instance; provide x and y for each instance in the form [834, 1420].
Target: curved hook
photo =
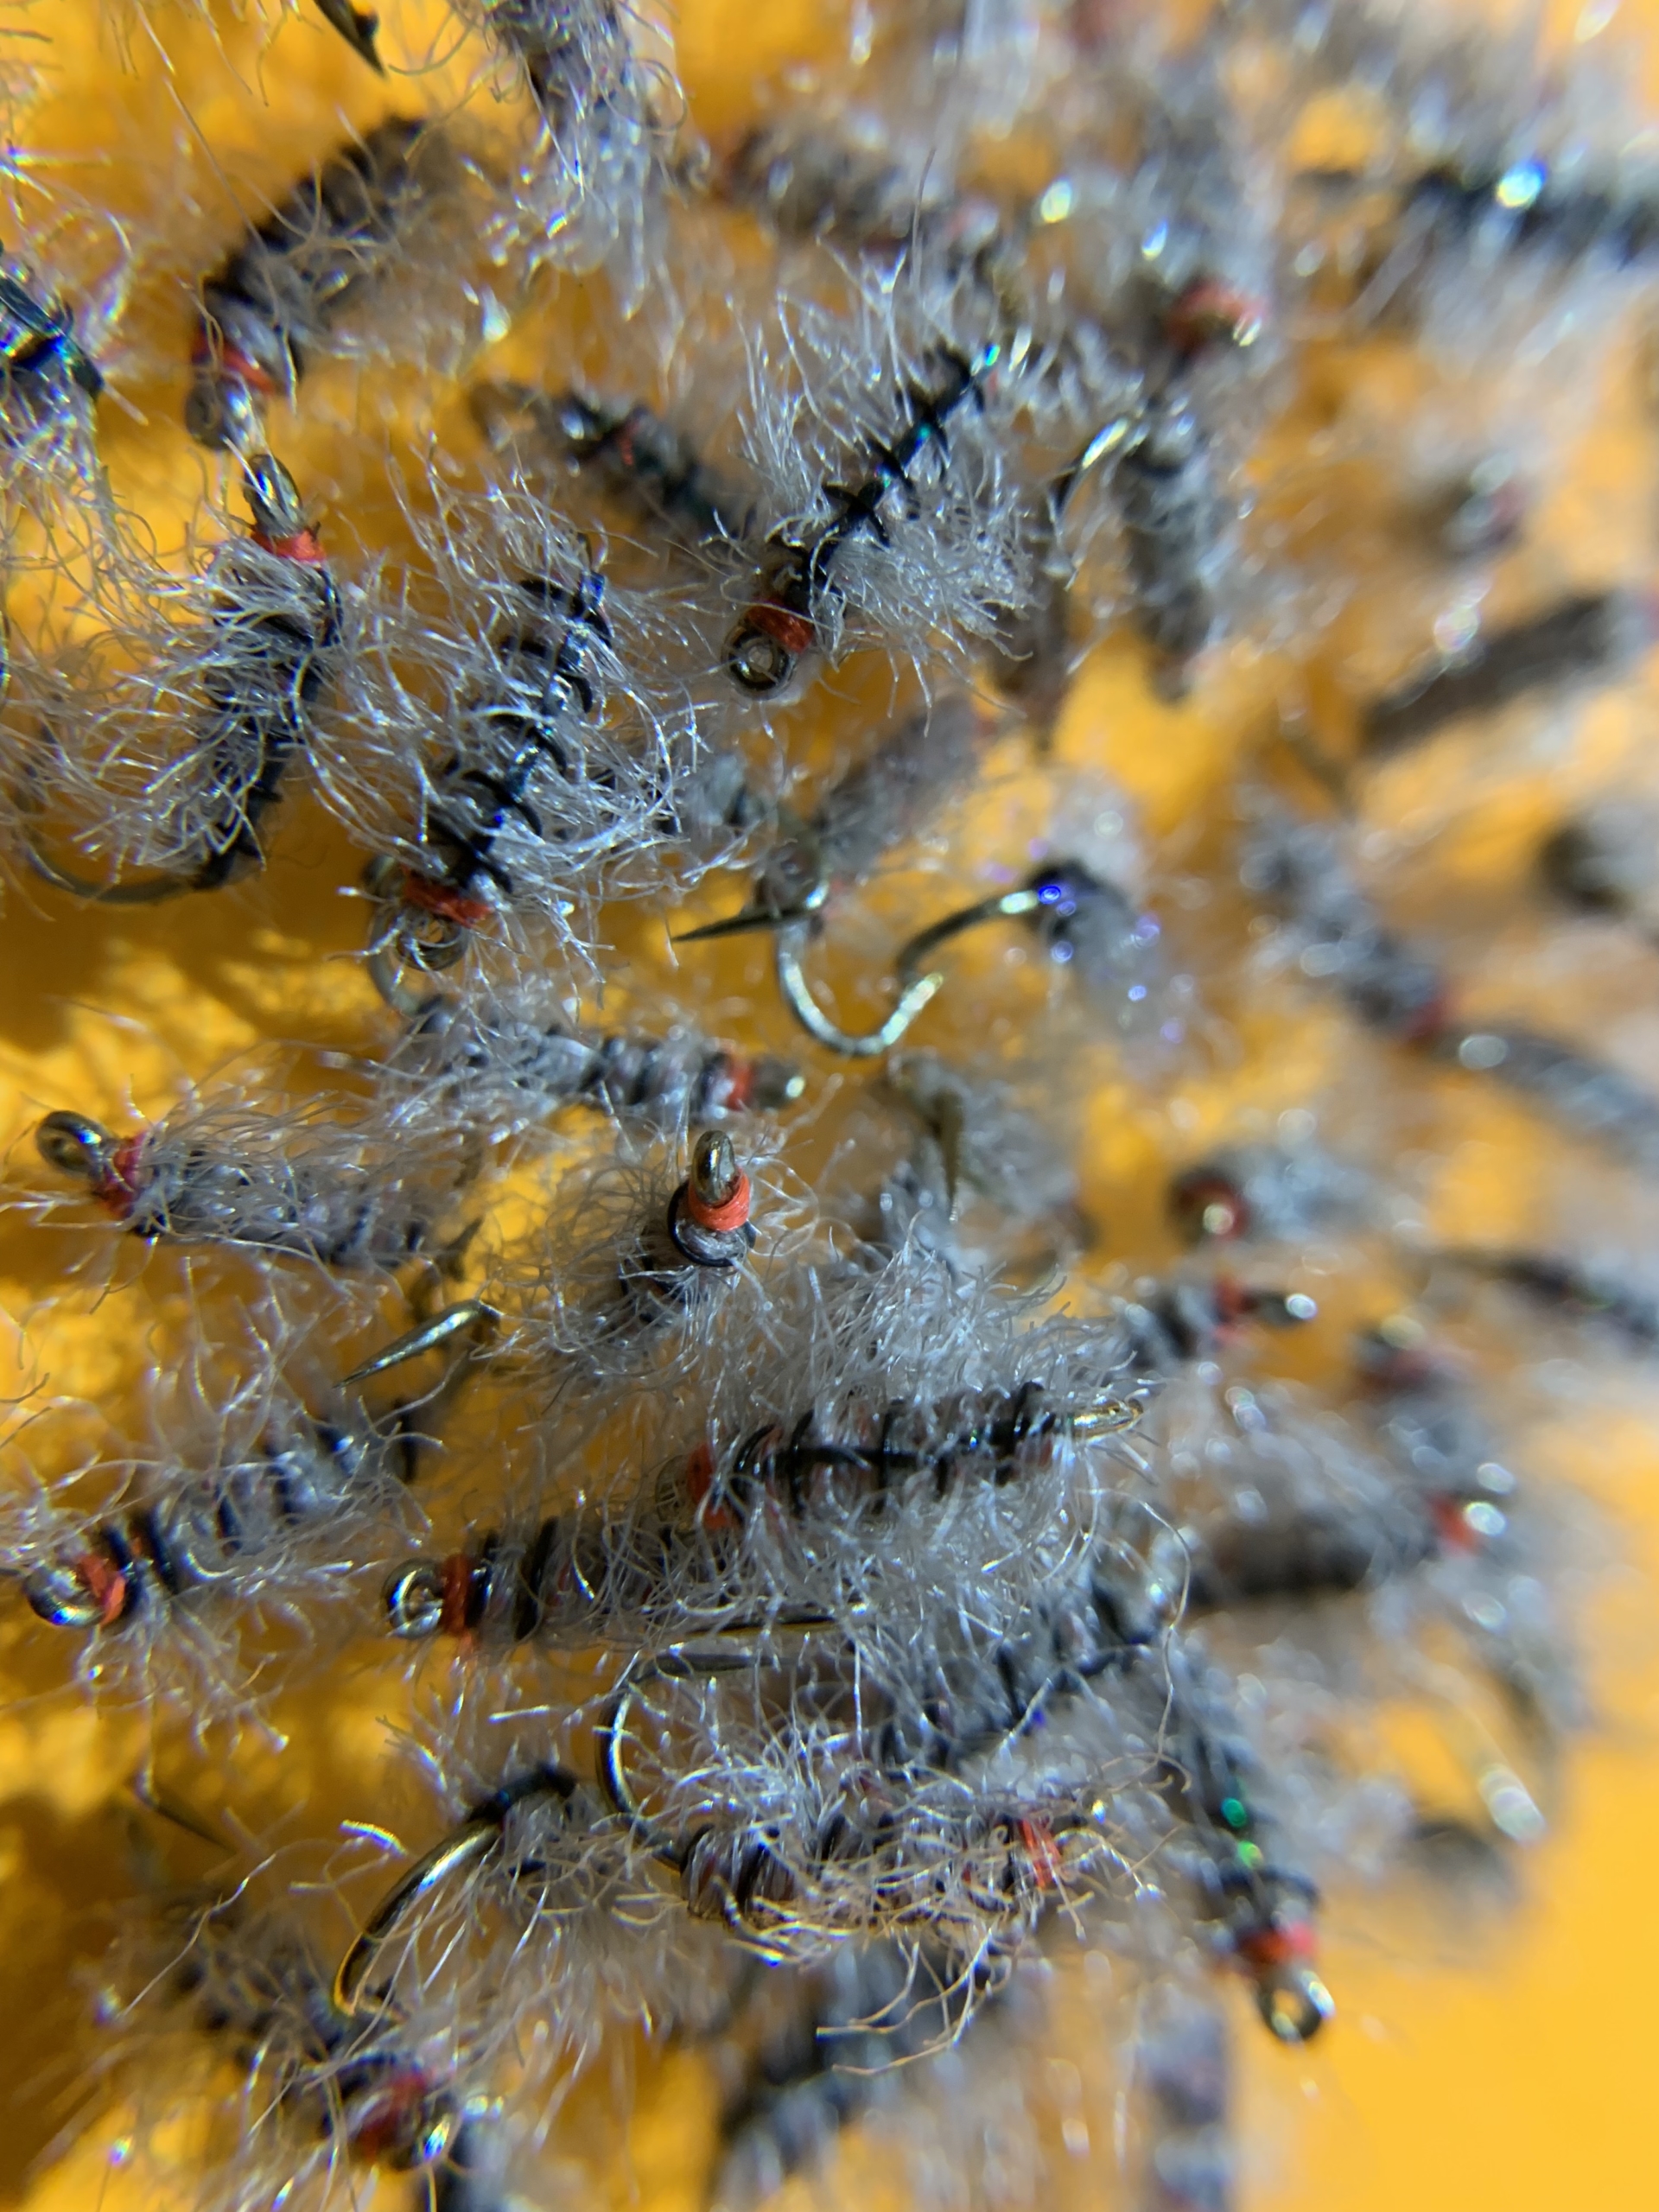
[466, 1845]
[149, 893]
[610, 1735]
[27, 797]
[407, 933]
[386, 964]
[916, 992]
[476, 1837]
[1026, 900]
[1105, 441]
[610, 1732]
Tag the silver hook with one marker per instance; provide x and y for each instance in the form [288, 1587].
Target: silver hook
[469, 1313]
[610, 1737]
[1026, 900]
[916, 992]
[149, 893]
[464, 1847]
[386, 965]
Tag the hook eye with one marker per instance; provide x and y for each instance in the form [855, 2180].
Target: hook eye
[77, 1146]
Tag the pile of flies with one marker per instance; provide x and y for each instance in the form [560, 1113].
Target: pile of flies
[883, 1606]
[899, 1815]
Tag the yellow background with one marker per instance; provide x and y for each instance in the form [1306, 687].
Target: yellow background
[1510, 2062]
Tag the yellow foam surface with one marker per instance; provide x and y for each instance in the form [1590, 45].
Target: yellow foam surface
[1481, 2058]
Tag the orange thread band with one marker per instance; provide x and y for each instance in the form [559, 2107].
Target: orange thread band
[1043, 1853]
[448, 905]
[737, 1083]
[1452, 1526]
[231, 360]
[700, 1473]
[117, 1189]
[304, 546]
[794, 632]
[106, 1585]
[1429, 1026]
[457, 1602]
[711, 1513]
[380, 2129]
[1200, 1192]
[1279, 1947]
[731, 1214]
[1213, 307]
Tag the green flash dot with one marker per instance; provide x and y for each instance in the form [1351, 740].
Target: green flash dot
[1251, 1855]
